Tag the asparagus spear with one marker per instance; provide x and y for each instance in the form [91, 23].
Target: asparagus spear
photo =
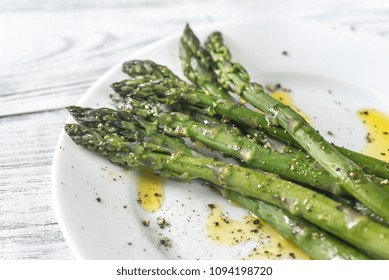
[316, 208]
[148, 71]
[179, 125]
[123, 123]
[200, 116]
[171, 90]
[196, 66]
[191, 50]
[292, 166]
[256, 135]
[175, 92]
[349, 175]
[312, 240]
[147, 68]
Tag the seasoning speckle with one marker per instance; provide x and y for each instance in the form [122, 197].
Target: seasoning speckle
[162, 223]
[165, 241]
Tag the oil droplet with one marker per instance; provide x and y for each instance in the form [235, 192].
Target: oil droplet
[150, 191]
[285, 98]
[377, 126]
[271, 245]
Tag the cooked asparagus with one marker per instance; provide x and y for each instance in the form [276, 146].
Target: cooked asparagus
[299, 201]
[349, 175]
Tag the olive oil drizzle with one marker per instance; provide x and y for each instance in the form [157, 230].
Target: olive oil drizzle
[377, 138]
[150, 191]
[285, 98]
[270, 245]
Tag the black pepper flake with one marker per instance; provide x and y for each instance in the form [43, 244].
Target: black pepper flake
[146, 223]
[256, 222]
[98, 199]
[292, 255]
[162, 222]
[278, 255]
[166, 242]
[284, 53]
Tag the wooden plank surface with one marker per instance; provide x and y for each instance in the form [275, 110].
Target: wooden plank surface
[52, 51]
[28, 226]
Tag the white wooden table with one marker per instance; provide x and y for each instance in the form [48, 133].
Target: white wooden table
[52, 51]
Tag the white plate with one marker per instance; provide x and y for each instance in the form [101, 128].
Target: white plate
[353, 65]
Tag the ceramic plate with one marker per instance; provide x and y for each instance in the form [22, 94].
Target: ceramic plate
[332, 72]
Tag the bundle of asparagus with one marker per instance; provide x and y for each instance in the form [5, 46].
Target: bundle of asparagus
[329, 201]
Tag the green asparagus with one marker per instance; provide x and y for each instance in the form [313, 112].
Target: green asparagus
[191, 50]
[299, 201]
[292, 166]
[349, 175]
[275, 139]
[169, 90]
[312, 240]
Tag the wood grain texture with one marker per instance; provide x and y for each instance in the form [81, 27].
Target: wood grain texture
[52, 51]
[28, 225]
[56, 49]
